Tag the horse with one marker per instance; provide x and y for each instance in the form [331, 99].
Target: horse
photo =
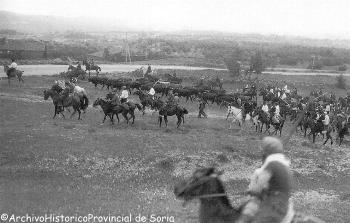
[130, 106]
[215, 206]
[65, 100]
[237, 114]
[166, 111]
[13, 74]
[278, 125]
[72, 68]
[263, 119]
[146, 100]
[90, 67]
[315, 126]
[342, 128]
[111, 110]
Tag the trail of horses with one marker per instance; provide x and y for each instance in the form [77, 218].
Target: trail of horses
[66, 166]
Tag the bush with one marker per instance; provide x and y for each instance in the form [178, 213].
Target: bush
[342, 68]
[234, 67]
[341, 82]
[80, 74]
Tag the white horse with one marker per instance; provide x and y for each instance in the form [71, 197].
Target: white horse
[237, 115]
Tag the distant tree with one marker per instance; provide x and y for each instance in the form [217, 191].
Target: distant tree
[341, 82]
[342, 68]
[316, 63]
[256, 62]
[233, 63]
[45, 52]
[106, 53]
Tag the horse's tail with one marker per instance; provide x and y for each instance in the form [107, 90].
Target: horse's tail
[138, 106]
[86, 102]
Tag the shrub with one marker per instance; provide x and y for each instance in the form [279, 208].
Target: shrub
[342, 68]
[341, 82]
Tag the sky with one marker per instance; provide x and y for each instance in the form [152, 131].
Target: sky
[310, 18]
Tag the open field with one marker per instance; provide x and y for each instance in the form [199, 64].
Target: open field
[71, 167]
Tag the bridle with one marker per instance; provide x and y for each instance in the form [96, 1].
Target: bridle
[199, 182]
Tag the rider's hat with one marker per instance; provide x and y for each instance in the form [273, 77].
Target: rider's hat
[271, 145]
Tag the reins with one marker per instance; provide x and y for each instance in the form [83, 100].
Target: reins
[210, 195]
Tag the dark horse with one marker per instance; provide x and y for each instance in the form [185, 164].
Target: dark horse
[316, 127]
[13, 74]
[63, 100]
[130, 106]
[111, 110]
[90, 67]
[147, 100]
[215, 207]
[166, 111]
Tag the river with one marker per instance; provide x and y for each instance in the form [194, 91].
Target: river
[49, 69]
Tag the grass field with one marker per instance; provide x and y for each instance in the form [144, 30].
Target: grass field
[71, 167]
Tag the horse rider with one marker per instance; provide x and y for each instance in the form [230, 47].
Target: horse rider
[152, 92]
[201, 109]
[170, 100]
[265, 108]
[270, 187]
[13, 67]
[114, 98]
[275, 113]
[79, 66]
[245, 89]
[326, 120]
[149, 69]
[125, 94]
[328, 108]
[176, 98]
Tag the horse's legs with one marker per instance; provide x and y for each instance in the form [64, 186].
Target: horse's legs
[104, 119]
[55, 112]
[116, 114]
[160, 119]
[166, 120]
[132, 116]
[179, 119]
[75, 110]
[79, 112]
[125, 115]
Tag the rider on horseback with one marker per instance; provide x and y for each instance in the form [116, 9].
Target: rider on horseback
[270, 187]
[152, 92]
[171, 100]
[265, 108]
[12, 67]
[125, 94]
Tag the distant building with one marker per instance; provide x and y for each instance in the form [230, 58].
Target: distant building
[22, 49]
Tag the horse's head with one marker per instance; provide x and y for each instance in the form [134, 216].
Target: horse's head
[97, 102]
[46, 94]
[204, 182]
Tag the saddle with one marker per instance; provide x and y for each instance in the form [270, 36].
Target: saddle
[276, 119]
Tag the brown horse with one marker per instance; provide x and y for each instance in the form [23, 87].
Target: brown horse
[13, 74]
[215, 207]
[65, 100]
[91, 67]
[166, 111]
